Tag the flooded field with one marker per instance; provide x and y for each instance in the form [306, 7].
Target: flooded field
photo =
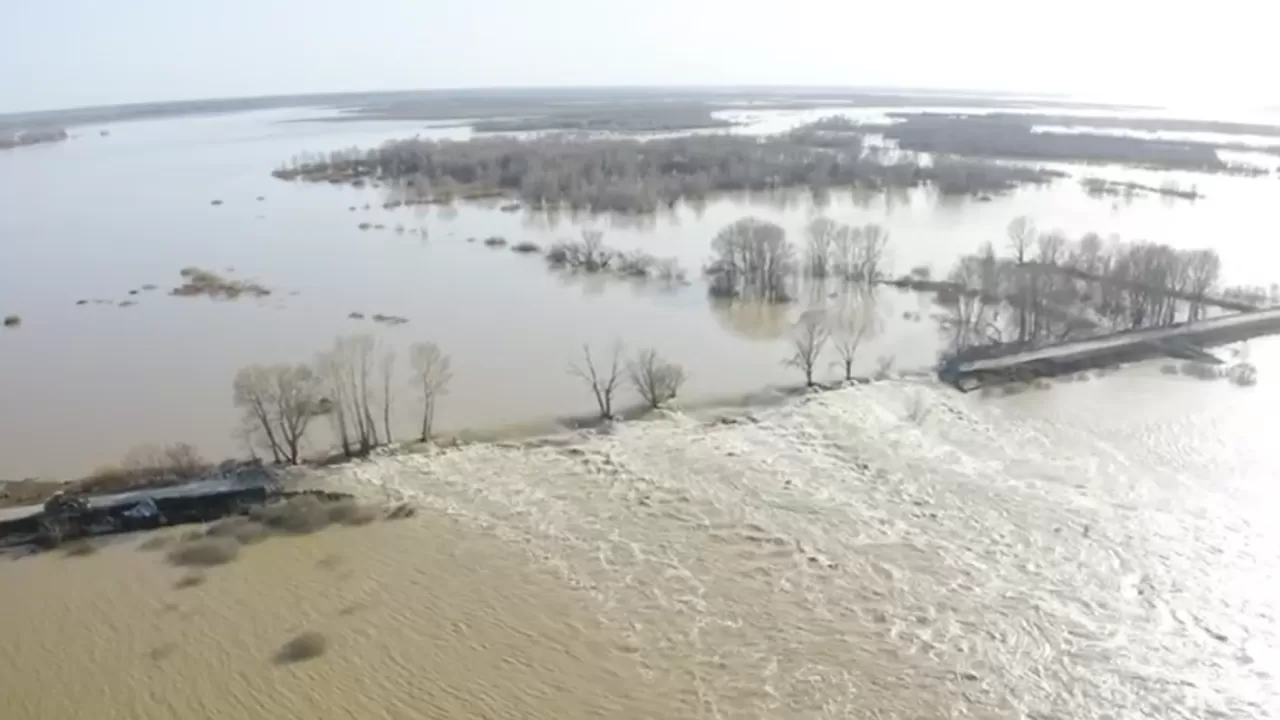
[111, 221]
[1100, 548]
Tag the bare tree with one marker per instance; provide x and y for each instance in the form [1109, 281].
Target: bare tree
[387, 370]
[431, 375]
[1022, 234]
[345, 370]
[874, 241]
[656, 380]
[821, 234]
[752, 257]
[852, 322]
[603, 381]
[281, 399]
[808, 338]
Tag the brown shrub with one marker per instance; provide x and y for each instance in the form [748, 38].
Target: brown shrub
[189, 581]
[205, 552]
[402, 511]
[304, 514]
[307, 646]
[159, 542]
[80, 548]
[350, 512]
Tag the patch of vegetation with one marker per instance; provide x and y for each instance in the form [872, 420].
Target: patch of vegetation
[1015, 136]
[32, 137]
[210, 284]
[12, 321]
[146, 466]
[1099, 187]
[307, 646]
[351, 512]
[80, 548]
[526, 247]
[590, 255]
[389, 319]
[204, 552]
[617, 119]
[495, 241]
[189, 581]
[633, 176]
[401, 511]
[157, 542]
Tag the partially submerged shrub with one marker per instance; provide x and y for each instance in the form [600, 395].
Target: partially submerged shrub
[189, 581]
[205, 552]
[1201, 371]
[12, 321]
[159, 542]
[495, 241]
[918, 409]
[307, 646]
[1244, 375]
[350, 512]
[526, 247]
[389, 319]
[402, 511]
[80, 548]
[301, 514]
[209, 283]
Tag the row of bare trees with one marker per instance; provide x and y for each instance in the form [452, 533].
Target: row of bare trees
[843, 326]
[752, 258]
[352, 384]
[1050, 287]
[654, 379]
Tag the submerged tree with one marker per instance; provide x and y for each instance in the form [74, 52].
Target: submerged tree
[347, 370]
[602, 380]
[752, 258]
[850, 323]
[280, 400]
[808, 338]
[431, 375]
[655, 380]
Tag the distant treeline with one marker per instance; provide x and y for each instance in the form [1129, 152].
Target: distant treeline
[632, 176]
[668, 117]
[1139, 123]
[32, 137]
[1010, 136]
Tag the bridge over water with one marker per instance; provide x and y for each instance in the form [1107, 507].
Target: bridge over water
[1185, 341]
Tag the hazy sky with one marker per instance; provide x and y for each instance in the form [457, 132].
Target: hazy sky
[59, 53]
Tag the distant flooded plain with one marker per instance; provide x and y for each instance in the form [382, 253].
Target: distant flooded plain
[94, 218]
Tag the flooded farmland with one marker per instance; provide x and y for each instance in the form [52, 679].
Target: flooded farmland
[97, 220]
[1098, 546]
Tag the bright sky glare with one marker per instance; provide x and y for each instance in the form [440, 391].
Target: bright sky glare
[63, 53]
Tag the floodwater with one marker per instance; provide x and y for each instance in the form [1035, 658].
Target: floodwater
[96, 217]
[1099, 549]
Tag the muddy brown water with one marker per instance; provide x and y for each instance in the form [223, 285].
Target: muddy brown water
[96, 217]
[1101, 548]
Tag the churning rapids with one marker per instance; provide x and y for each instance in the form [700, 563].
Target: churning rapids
[1099, 549]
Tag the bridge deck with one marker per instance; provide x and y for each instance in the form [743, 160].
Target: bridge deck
[1142, 343]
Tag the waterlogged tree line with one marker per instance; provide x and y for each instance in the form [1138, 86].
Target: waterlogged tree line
[634, 176]
[353, 385]
[1047, 287]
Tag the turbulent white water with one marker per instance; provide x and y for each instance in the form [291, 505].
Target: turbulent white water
[1097, 550]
